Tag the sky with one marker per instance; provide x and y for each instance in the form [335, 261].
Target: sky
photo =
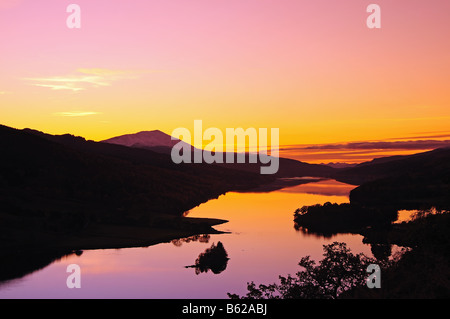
[313, 69]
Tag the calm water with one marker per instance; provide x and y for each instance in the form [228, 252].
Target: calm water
[261, 244]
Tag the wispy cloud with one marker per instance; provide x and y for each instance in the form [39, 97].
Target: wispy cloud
[57, 87]
[75, 114]
[378, 145]
[84, 79]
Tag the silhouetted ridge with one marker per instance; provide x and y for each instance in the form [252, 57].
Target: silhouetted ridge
[59, 185]
[160, 142]
[144, 139]
[419, 181]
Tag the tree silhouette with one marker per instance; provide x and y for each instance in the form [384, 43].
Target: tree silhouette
[214, 258]
[339, 271]
[330, 219]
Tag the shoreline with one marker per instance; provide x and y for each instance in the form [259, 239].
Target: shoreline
[27, 257]
[109, 236]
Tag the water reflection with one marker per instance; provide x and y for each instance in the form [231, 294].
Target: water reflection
[406, 215]
[328, 187]
[317, 234]
[327, 220]
[19, 263]
[214, 258]
[259, 232]
[196, 238]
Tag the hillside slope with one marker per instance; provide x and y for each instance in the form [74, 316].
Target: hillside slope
[59, 185]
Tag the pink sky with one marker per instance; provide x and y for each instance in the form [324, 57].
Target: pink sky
[311, 68]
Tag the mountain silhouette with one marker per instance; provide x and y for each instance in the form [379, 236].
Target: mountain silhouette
[156, 140]
[410, 181]
[435, 160]
[58, 186]
[162, 143]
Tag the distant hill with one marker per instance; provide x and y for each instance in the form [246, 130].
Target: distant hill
[146, 139]
[394, 165]
[287, 168]
[160, 142]
[412, 181]
[60, 184]
[339, 165]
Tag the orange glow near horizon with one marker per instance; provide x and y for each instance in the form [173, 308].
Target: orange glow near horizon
[312, 69]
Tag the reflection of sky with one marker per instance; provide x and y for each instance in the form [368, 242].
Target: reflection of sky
[326, 188]
[262, 245]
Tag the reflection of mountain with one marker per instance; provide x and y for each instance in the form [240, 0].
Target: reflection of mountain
[283, 184]
[327, 187]
[214, 258]
[16, 264]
